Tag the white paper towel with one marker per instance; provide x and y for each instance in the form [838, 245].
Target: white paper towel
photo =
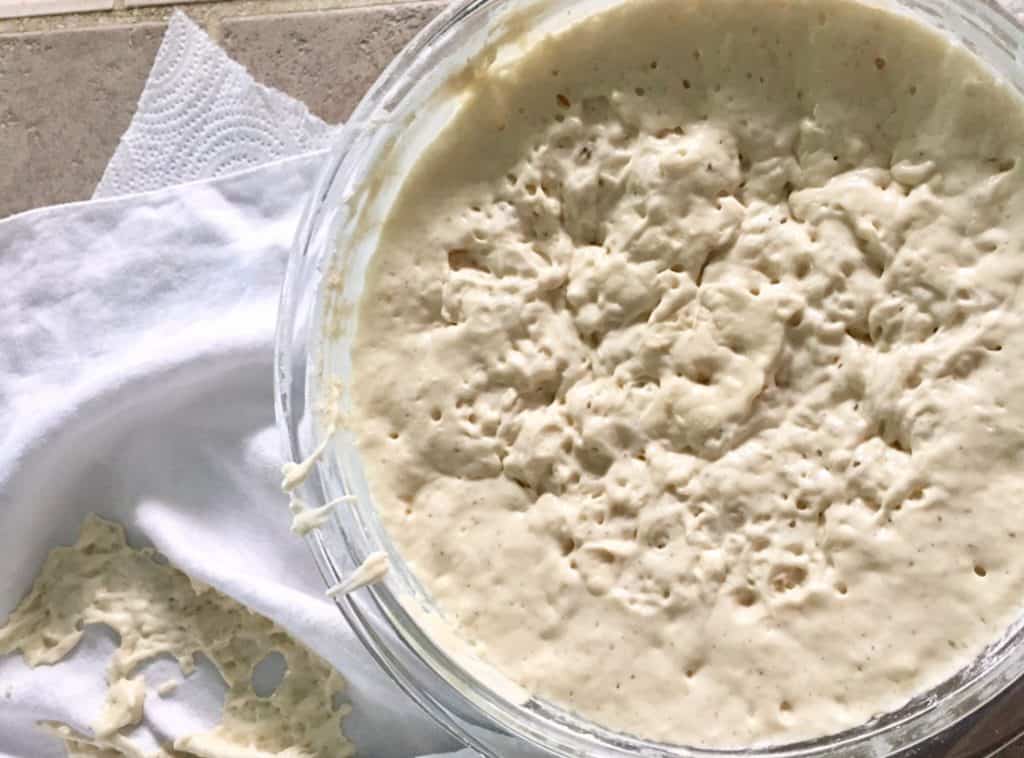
[201, 115]
[135, 381]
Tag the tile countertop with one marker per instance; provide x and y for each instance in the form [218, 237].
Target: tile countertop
[69, 84]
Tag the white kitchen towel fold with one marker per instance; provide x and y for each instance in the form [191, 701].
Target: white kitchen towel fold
[135, 382]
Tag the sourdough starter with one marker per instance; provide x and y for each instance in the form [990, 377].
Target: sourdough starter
[689, 374]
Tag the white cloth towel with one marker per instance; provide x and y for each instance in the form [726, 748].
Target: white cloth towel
[135, 382]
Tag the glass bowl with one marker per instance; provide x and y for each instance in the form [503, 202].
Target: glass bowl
[400, 115]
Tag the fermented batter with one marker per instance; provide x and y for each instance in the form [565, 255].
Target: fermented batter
[689, 375]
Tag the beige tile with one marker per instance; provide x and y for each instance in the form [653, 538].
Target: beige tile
[67, 96]
[328, 59]
[65, 100]
[19, 8]
[147, 3]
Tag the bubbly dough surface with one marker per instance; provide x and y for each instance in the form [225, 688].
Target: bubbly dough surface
[689, 375]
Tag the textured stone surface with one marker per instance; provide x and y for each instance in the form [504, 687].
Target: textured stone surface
[66, 96]
[17, 8]
[65, 99]
[328, 59]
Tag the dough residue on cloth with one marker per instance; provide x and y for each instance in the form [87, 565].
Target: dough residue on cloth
[689, 371]
[156, 609]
